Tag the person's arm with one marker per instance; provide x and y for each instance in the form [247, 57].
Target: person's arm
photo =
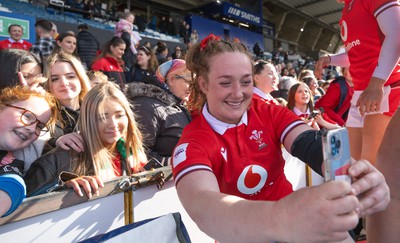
[370, 100]
[43, 173]
[35, 85]
[12, 186]
[329, 101]
[5, 202]
[12, 192]
[368, 184]
[341, 60]
[390, 50]
[318, 214]
[52, 171]
[89, 184]
[305, 143]
[325, 124]
[70, 141]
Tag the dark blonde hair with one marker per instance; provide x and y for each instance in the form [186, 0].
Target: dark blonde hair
[197, 61]
[76, 65]
[291, 101]
[11, 95]
[98, 158]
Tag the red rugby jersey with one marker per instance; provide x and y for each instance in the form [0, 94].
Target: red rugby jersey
[246, 159]
[363, 39]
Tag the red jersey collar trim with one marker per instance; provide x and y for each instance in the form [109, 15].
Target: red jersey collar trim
[219, 126]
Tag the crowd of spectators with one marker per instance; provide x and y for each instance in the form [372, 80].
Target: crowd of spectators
[66, 66]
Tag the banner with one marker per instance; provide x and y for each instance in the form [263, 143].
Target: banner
[241, 14]
[27, 23]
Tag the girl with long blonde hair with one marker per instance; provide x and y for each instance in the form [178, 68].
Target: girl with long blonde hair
[111, 140]
[68, 82]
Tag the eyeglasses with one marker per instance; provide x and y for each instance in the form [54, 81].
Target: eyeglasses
[185, 78]
[29, 118]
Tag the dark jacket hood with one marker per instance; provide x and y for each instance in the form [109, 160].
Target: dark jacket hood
[140, 89]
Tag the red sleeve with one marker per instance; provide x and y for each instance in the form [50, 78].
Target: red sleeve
[190, 155]
[377, 5]
[329, 102]
[98, 65]
[328, 119]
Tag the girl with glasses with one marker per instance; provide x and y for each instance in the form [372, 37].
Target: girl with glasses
[26, 115]
[160, 102]
[20, 67]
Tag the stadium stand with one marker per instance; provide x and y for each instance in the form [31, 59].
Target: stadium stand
[57, 11]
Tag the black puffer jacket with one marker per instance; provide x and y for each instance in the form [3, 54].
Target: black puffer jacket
[161, 118]
[87, 46]
[44, 172]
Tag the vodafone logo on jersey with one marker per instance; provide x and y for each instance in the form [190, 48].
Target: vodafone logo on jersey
[252, 179]
[344, 32]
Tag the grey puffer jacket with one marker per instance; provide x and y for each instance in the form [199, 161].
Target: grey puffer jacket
[161, 119]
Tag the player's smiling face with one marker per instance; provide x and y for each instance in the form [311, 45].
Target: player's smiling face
[229, 87]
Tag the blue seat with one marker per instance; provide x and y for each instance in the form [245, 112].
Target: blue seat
[51, 11]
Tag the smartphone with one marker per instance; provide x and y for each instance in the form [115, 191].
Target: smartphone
[336, 150]
[313, 114]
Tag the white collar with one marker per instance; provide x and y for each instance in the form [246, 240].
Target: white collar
[263, 95]
[219, 126]
[12, 40]
[299, 112]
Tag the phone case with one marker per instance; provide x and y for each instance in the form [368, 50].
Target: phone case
[337, 159]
